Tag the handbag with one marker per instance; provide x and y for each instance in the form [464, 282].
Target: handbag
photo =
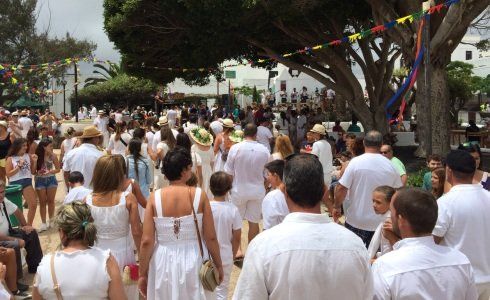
[208, 274]
[56, 286]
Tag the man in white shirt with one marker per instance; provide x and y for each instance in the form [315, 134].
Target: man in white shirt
[463, 221]
[172, 116]
[264, 134]
[118, 116]
[246, 161]
[307, 256]
[417, 268]
[102, 123]
[25, 123]
[322, 149]
[191, 124]
[157, 138]
[93, 112]
[83, 158]
[363, 174]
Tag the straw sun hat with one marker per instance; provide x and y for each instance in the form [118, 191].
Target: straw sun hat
[201, 136]
[90, 132]
[228, 123]
[162, 121]
[320, 129]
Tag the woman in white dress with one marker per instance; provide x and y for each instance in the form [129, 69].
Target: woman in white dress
[204, 155]
[119, 140]
[166, 144]
[113, 212]
[82, 272]
[170, 258]
[222, 145]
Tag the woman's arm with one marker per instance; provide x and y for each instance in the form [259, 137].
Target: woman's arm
[56, 163]
[147, 244]
[62, 153]
[209, 234]
[9, 168]
[33, 158]
[199, 175]
[116, 288]
[217, 143]
[134, 219]
[138, 194]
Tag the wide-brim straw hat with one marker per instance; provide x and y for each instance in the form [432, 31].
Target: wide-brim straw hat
[90, 132]
[4, 124]
[201, 136]
[320, 129]
[237, 136]
[228, 123]
[162, 121]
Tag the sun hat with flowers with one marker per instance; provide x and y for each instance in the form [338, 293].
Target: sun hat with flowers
[201, 136]
[237, 136]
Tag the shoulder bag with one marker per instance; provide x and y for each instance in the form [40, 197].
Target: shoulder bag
[56, 286]
[208, 274]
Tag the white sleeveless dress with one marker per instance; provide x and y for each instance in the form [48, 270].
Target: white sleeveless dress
[206, 158]
[176, 260]
[219, 164]
[113, 233]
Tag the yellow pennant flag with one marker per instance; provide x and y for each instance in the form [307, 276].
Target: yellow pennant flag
[354, 37]
[402, 20]
[317, 47]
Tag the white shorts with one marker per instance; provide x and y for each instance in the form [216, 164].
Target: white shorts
[250, 210]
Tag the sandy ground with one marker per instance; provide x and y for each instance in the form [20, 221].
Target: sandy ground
[50, 239]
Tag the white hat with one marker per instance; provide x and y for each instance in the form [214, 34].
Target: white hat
[228, 123]
[101, 112]
[162, 121]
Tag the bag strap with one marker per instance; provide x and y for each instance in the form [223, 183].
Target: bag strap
[195, 222]
[123, 142]
[7, 215]
[56, 286]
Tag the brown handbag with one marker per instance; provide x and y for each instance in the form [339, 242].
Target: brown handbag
[208, 274]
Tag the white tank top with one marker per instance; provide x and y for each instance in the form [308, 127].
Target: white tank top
[25, 169]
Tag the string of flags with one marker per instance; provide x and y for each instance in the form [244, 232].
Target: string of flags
[7, 71]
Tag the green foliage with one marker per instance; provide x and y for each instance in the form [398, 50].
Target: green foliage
[417, 179]
[255, 95]
[104, 73]
[122, 89]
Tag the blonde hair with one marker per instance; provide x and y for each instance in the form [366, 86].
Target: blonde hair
[109, 174]
[283, 146]
[76, 222]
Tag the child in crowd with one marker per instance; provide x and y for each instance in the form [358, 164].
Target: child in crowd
[437, 181]
[381, 204]
[434, 161]
[274, 207]
[77, 191]
[228, 225]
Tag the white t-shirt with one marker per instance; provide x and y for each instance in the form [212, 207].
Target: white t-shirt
[149, 137]
[323, 151]
[101, 124]
[363, 174]
[11, 208]
[93, 112]
[246, 161]
[81, 115]
[274, 208]
[172, 116]
[117, 147]
[77, 194]
[26, 124]
[226, 219]
[118, 117]
[263, 136]
[463, 222]
[82, 159]
[68, 145]
[25, 168]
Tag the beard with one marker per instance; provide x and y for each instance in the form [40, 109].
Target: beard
[396, 229]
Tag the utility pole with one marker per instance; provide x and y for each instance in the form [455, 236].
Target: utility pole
[427, 80]
[76, 90]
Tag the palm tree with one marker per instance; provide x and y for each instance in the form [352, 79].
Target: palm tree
[104, 73]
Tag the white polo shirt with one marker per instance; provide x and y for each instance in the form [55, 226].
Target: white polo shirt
[464, 224]
[307, 256]
[246, 161]
[274, 208]
[417, 268]
[323, 151]
[82, 159]
[363, 174]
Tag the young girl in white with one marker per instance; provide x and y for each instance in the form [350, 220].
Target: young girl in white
[228, 225]
[380, 244]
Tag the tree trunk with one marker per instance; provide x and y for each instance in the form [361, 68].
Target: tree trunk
[438, 118]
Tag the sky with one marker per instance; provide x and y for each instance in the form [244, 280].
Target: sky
[83, 19]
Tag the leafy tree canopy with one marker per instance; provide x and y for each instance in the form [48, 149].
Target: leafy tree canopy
[120, 90]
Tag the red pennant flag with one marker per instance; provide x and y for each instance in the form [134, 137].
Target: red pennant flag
[336, 42]
[378, 28]
[436, 8]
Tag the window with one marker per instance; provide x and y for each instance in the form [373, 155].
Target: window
[469, 55]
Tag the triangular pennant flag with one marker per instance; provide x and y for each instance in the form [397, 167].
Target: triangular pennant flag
[402, 20]
[354, 37]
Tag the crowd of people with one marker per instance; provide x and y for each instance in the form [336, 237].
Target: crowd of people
[152, 199]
